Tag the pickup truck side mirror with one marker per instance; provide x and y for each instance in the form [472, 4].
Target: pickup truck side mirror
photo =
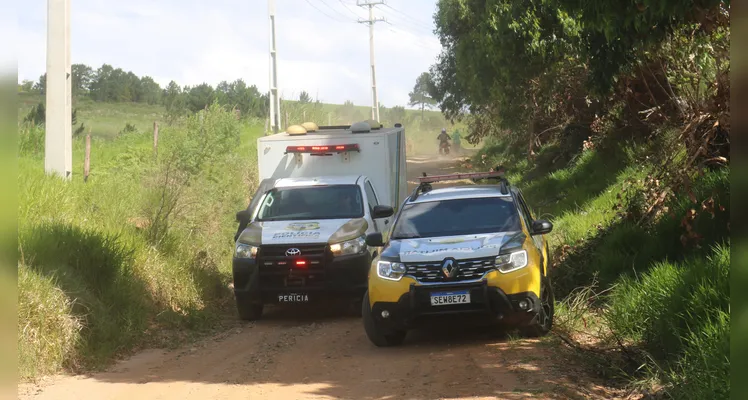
[541, 227]
[375, 239]
[381, 211]
[242, 216]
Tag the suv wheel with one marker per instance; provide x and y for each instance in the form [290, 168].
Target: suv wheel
[377, 335]
[544, 321]
[248, 311]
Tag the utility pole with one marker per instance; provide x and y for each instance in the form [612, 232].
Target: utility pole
[371, 21]
[274, 100]
[58, 142]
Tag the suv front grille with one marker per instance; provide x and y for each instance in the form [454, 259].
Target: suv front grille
[279, 270]
[431, 272]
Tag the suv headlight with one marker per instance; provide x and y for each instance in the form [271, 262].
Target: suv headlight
[511, 261]
[245, 251]
[392, 271]
[354, 246]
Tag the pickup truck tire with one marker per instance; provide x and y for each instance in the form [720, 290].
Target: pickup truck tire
[377, 335]
[541, 325]
[248, 311]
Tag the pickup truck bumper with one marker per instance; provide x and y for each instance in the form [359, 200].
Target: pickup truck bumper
[276, 280]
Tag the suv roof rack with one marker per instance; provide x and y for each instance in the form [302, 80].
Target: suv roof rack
[425, 181]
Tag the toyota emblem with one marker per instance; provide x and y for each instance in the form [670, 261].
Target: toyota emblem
[292, 252]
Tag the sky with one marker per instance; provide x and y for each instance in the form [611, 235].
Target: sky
[321, 47]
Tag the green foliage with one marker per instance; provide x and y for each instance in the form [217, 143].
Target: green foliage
[420, 96]
[92, 285]
[304, 97]
[679, 313]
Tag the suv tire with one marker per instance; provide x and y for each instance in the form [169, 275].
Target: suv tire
[541, 325]
[378, 336]
[248, 311]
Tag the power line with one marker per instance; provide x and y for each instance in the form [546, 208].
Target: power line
[334, 9]
[323, 13]
[347, 8]
[416, 20]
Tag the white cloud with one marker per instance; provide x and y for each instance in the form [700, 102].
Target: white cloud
[195, 41]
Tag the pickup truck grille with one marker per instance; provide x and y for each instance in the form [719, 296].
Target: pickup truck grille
[280, 270]
[431, 272]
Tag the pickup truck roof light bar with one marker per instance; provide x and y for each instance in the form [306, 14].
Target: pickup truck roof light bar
[323, 149]
[425, 181]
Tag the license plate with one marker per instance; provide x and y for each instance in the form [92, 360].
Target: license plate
[293, 298]
[447, 298]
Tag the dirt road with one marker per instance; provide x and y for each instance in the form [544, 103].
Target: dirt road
[324, 354]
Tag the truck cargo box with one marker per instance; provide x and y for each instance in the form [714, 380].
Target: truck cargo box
[376, 153]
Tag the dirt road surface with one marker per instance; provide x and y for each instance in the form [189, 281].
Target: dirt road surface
[297, 353]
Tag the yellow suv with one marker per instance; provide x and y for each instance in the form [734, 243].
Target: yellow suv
[462, 251]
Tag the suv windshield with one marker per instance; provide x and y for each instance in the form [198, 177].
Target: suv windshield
[318, 202]
[457, 217]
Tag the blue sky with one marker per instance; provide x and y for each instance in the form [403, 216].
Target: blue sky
[321, 48]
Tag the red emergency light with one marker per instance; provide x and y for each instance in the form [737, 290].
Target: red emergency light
[451, 177]
[301, 264]
[323, 149]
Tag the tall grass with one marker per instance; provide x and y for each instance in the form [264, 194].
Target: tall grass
[670, 300]
[94, 281]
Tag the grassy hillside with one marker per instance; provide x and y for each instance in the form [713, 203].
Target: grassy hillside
[139, 250]
[631, 280]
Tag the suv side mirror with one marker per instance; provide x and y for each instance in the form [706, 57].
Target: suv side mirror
[242, 216]
[381, 211]
[375, 239]
[541, 227]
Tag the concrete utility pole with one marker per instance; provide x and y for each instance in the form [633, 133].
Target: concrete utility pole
[371, 21]
[274, 100]
[58, 142]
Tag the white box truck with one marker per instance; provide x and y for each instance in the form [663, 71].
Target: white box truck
[322, 190]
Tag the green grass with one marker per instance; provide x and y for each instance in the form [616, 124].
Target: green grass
[668, 299]
[94, 283]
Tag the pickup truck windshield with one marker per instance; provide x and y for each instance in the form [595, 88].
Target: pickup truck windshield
[317, 202]
[457, 217]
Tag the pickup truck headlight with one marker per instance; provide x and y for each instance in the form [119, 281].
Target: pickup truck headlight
[245, 251]
[392, 271]
[354, 246]
[511, 261]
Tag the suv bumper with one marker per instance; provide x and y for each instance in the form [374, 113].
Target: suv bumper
[488, 304]
[340, 277]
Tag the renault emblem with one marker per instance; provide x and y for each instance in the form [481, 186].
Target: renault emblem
[293, 252]
[450, 267]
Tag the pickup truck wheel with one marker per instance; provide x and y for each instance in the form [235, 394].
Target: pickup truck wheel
[375, 333]
[544, 321]
[248, 311]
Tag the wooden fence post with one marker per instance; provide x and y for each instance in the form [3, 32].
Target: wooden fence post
[155, 139]
[87, 159]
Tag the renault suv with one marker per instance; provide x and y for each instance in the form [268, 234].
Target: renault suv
[472, 251]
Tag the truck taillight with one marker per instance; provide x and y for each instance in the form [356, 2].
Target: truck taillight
[339, 148]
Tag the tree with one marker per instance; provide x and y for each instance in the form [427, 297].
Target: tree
[304, 97]
[41, 85]
[420, 96]
[26, 86]
[82, 75]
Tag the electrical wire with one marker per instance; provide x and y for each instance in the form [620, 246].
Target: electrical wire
[414, 20]
[334, 9]
[324, 13]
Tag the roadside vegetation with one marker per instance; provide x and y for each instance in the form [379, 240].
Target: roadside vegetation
[614, 121]
[138, 252]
